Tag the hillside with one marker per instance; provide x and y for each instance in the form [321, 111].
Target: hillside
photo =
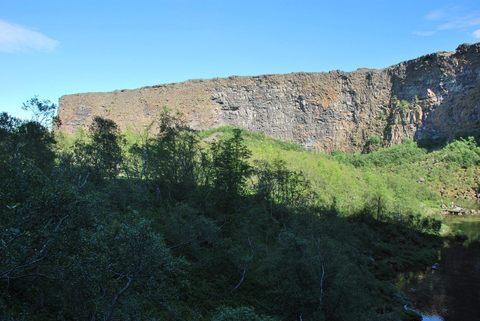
[217, 225]
[406, 178]
[433, 98]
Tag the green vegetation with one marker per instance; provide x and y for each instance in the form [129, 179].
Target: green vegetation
[403, 105]
[218, 225]
[408, 178]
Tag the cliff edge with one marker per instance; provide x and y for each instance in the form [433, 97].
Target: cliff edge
[436, 96]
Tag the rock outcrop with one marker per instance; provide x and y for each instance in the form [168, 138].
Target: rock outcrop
[433, 97]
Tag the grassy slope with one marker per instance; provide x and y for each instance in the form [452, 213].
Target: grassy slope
[406, 178]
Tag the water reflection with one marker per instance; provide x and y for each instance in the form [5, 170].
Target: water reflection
[451, 293]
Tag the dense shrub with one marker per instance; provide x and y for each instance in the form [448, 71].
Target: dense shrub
[407, 152]
[175, 228]
[463, 152]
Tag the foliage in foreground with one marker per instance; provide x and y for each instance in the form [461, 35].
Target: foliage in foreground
[173, 228]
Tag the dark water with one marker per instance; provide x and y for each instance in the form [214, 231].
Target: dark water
[451, 293]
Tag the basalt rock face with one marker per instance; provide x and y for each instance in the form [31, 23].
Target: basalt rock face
[433, 97]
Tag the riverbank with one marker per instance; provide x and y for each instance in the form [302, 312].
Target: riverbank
[450, 289]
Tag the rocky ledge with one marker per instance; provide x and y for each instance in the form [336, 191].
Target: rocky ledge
[434, 97]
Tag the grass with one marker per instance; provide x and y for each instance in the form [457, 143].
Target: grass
[407, 178]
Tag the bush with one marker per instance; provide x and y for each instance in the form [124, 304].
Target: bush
[407, 152]
[373, 143]
[464, 152]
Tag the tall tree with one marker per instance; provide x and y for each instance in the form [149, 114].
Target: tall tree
[102, 154]
[230, 168]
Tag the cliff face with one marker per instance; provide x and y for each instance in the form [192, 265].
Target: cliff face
[436, 97]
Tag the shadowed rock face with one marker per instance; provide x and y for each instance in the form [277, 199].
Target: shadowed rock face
[435, 97]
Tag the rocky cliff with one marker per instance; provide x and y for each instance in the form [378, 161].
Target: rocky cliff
[433, 97]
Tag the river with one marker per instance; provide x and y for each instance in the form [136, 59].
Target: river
[450, 291]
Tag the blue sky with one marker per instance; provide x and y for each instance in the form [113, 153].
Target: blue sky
[52, 48]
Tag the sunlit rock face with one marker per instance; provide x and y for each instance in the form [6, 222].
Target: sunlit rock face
[433, 97]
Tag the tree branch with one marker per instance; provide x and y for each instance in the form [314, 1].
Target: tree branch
[117, 296]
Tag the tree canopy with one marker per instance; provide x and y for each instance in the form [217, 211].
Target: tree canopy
[175, 228]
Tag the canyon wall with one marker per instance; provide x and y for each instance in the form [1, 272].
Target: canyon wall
[434, 97]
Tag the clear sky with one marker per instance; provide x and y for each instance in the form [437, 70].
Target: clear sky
[51, 48]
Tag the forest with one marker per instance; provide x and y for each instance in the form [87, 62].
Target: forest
[174, 224]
